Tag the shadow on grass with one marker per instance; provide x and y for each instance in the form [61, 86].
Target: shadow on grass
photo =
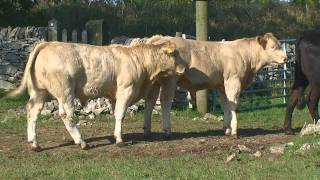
[135, 138]
[259, 131]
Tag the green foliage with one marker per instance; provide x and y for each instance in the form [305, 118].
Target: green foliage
[227, 19]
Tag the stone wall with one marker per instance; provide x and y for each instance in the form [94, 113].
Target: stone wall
[13, 57]
[15, 45]
[18, 33]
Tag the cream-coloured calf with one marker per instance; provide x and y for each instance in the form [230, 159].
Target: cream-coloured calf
[227, 66]
[68, 71]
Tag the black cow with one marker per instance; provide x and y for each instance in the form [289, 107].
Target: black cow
[307, 72]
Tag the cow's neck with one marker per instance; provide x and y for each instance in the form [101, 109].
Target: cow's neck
[152, 67]
[258, 59]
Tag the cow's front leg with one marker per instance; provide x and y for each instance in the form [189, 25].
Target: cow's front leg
[233, 88]
[166, 98]
[292, 102]
[124, 96]
[226, 113]
[149, 105]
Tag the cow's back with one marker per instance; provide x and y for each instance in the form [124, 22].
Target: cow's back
[308, 57]
[211, 62]
[312, 36]
[87, 68]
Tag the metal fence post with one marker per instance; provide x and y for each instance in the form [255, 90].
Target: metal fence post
[284, 48]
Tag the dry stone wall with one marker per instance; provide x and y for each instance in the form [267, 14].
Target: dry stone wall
[15, 45]
[18, 33]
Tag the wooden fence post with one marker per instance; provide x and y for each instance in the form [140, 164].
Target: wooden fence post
[202, 34]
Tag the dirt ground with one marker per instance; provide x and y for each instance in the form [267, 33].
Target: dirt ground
[55, 139]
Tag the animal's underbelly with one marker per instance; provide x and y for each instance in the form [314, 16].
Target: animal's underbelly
[96, 90]
[109, 90]
[198, 81]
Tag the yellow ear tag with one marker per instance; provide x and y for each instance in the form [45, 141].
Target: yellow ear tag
[169, 50]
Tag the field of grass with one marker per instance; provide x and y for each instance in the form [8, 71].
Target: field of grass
[184, 156]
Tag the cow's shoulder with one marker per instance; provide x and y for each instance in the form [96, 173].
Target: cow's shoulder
[312, 36]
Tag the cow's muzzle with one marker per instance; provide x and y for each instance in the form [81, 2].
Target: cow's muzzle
[285, 59]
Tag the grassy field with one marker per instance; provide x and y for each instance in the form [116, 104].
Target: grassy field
[197, 149]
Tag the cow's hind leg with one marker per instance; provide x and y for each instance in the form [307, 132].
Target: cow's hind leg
[150, 102]
[294, 95]
[313, 103]
[66, 112]
[34, 107]
[191, 97]
[166, 98]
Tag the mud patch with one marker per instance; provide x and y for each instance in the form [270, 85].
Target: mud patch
[56, 140]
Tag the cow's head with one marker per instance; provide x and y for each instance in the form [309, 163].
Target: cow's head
[272, 51]
[172, 63]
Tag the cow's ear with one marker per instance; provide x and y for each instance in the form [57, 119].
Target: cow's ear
[169, 48]
[262, 41]
[268, 35]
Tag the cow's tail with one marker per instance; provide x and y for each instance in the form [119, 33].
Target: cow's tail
[300, 80]
[27, 72]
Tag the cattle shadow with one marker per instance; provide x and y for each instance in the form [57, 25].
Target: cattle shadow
[135, 138]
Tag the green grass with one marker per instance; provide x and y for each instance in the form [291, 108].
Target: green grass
[21, 163]
[7, 103]
[85, 165]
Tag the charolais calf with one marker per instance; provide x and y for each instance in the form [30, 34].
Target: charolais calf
[68, 71]
[228, 66]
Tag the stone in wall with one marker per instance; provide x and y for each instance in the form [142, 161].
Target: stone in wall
[13, 57]
[19, 33]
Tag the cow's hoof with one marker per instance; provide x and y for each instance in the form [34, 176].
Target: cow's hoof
[167, 135]
[84, 146]
[227, 131]
[120, 144]
[235, 136]
[147, 134]
[288, 132]
[36, 148]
